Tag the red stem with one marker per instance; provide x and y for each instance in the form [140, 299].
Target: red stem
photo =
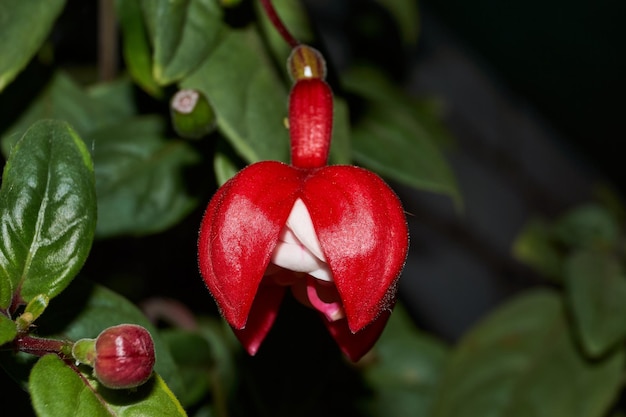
[278, 23]
[38, 346]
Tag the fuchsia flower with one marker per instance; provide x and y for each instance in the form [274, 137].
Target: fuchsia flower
[335, 235]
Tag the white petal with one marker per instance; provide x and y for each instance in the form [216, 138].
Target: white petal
[299, 222]
[295, 257]
[298, 248]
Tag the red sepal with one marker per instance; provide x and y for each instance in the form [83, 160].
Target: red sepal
[355, 345]
[362, 230]
[239, 231]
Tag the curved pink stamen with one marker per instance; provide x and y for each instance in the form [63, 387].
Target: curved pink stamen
[332, 310]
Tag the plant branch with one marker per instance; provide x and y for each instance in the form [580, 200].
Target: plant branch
[278, 23]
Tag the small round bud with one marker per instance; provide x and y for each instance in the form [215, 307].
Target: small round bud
[124, 356]
[192, 114]
[306, 62]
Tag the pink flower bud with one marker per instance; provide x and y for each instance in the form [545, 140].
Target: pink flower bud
[124, 356]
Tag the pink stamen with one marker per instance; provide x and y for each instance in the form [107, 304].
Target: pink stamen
[332, 310]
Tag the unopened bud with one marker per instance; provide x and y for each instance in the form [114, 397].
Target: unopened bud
[192, 114]
[306, 62]
[124, 356]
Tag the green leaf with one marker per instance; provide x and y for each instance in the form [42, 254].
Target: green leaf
[85, 309]
[406, 369]
[47, 212]
[393, 144]
[24, 25]
[136, 46]
[340, 146]
[58, 390]
[117, 97]
[184, 33]
[376, 89]
[398, 137]
[63, 99]
[139, 179]
[250, 101]
[192, 354]
[8, 330]
[587, 226]
[225, 163]
[521, 361]
[535, 246]
[596, 289]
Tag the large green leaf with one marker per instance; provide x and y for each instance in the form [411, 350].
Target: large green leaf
[47, 212]
[85, 309]
[193, 356]
[521, 361]
[58, 390]
[138, 172]
[184, 32]
[393, 144]
[139, 179]
[250, 101]
[65, 100]
[136, 45]
[596, 288]
[24, 26]
[398, 137]
[406, 369]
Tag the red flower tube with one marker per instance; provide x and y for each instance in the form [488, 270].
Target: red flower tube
[335, 235]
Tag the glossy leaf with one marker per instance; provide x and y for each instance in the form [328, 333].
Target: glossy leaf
[521, 361]
[405, 370]
[596, 288]
[58, 390]
[24, 25]
[136, 45]
[184, 32]
[249, 100]
[139, 177]
[85, 309]
[47, 212]
[8, 330]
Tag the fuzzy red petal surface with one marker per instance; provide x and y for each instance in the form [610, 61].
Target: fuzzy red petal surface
[261, 318]
[355, 345]
[363, 233]
[239, 231]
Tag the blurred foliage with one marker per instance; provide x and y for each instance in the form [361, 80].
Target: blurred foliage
[75, 146]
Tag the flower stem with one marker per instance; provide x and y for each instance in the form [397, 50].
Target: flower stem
[278, 23]
[39, 346]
